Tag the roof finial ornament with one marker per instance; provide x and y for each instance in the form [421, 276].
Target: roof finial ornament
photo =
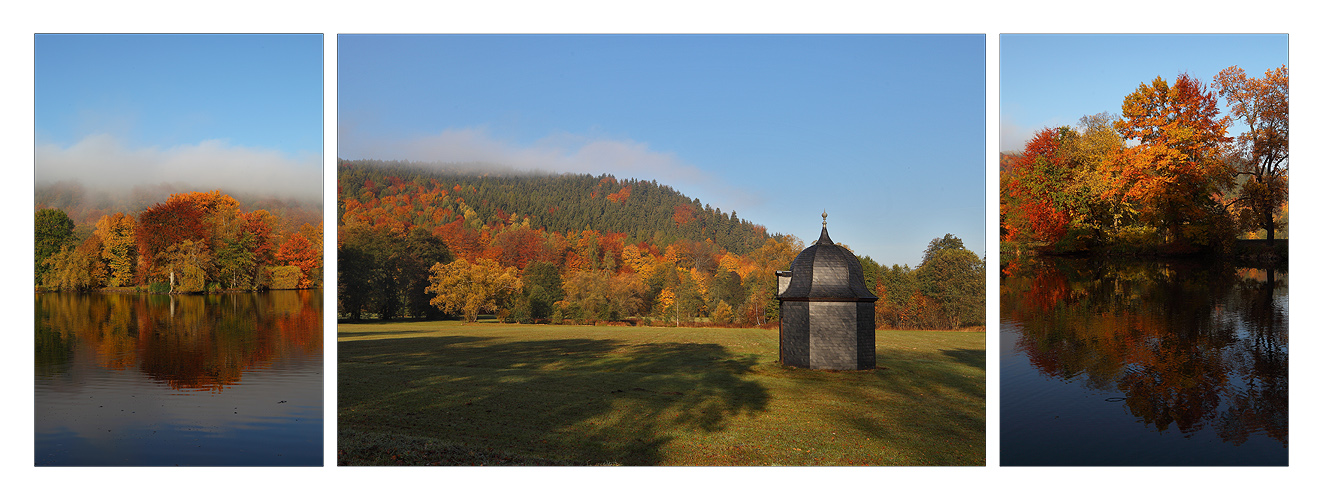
[824, 218]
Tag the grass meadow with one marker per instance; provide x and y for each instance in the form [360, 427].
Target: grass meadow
[449, 393]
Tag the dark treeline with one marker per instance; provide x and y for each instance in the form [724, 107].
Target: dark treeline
[427, 240]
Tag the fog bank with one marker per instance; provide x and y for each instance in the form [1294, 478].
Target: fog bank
[102, 162]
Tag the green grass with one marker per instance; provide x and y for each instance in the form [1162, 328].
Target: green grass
[417, 393]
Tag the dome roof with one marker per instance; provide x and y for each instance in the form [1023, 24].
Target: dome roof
[827, 271]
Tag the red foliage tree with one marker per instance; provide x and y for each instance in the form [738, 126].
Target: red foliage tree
[297, 251]
[261, 225]
[516, 247]
[684, 214]
[1033, 206]
[165, 224]
[464, 242]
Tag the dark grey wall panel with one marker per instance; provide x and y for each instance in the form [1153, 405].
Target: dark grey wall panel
[795, 334]
[867, 339]
[832, 343]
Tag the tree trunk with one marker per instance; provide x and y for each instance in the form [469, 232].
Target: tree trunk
[1272, 228]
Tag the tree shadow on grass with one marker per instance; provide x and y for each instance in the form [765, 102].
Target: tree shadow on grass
[574, 401]
[929, 410]
[977, 358]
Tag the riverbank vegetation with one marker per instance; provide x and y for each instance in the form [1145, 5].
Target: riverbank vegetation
[194, 242]
[1162, 178]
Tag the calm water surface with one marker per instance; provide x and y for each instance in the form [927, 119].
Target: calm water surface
[1143, 364]
[135, 379]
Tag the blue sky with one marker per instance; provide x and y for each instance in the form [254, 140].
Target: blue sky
[1053, 80]
[232, 112]
[886, 133]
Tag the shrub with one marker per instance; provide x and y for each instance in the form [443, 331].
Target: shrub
[722, 314]
[522, 313]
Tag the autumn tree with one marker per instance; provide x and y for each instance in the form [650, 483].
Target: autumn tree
[895, 286]
[599, 295]
[1092, 150]
[260, 226]
[1035, 203]
[118, 248]
[299, 252]
[313, 233]
[162, 226]
[722, 313]
[219, 212]
[187, 265]
[681, 297]
[285, 277]
[1177, 169]
[76, 268]
[483, 286]
[517, 246]
[775, 254]
[1262, 153]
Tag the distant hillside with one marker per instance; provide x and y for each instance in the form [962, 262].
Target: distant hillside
[429, 195]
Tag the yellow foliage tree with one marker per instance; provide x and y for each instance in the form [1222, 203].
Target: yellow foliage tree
[665, 301]
[722, 314]
[75, 269]
[187, 263]
[118, 247]
[643, 263]
[472, 288]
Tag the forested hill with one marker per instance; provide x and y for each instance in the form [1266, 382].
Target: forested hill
[431, 195]
[421, 239]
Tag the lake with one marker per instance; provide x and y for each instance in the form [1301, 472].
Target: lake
[1152, 363]
[137, 379]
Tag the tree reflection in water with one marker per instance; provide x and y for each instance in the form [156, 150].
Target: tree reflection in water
[189, 342]
[1188, 345]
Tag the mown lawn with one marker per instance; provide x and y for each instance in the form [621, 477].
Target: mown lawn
[417, 393]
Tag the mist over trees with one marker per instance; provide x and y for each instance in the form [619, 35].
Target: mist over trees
[580, 248]
[85, 204]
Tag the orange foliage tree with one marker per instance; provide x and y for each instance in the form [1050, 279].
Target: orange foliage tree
[118, 247]
[1177, 167]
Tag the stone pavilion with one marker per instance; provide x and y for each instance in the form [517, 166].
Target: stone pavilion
[826, 309]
